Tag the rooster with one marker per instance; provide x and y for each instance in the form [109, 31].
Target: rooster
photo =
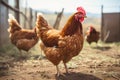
[92, 35]
[62, 45]
[23, 39]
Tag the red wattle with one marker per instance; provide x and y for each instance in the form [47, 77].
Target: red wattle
[81, 19]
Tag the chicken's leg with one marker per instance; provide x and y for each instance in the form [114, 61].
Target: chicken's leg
[66, 68]
[21, 54]
[58, 71]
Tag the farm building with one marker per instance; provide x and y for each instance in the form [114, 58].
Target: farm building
[110, 27]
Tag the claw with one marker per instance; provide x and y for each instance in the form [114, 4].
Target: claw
[66, 68]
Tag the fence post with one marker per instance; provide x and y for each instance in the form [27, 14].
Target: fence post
[31, 18]
[0, 24]
[119, 23]
[26, 4]
[58, 19]
[17, 13]
[3, 24]
[102, 23]
[36, 15]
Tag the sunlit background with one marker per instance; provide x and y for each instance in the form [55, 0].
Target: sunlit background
[92, 6]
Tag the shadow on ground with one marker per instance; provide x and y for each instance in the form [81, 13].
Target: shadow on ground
[77, 76]
[104, 48]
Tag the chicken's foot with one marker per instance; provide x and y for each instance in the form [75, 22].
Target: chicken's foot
[66, 68]
[58, 71]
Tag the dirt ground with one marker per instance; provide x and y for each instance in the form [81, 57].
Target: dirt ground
[93, 63]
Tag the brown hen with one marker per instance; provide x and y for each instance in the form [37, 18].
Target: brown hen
[23, 39]
[92, 35]
[62, 45]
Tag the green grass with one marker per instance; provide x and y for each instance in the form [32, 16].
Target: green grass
[12, 51]
[9, 50]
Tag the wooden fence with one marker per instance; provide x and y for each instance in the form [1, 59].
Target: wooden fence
[25, 21]
[3, 24]
[25, 16]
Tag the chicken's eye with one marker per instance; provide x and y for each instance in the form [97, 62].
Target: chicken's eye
[80, 15]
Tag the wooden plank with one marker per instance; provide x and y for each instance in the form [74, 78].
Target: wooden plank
[58, 19]
[31, 18]
[14, 9]
[111, 23]
[17, 13]
[0, 24]
[4, 39]
[102, 38]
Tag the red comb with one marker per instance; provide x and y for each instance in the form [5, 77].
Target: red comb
[91, 28]
[81, 9]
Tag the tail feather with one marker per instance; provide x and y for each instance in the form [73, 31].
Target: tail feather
[12, 21]
[41, 22]
[39, 14]
[13, 24]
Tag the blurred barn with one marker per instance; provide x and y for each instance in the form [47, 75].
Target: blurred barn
[110, 26]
